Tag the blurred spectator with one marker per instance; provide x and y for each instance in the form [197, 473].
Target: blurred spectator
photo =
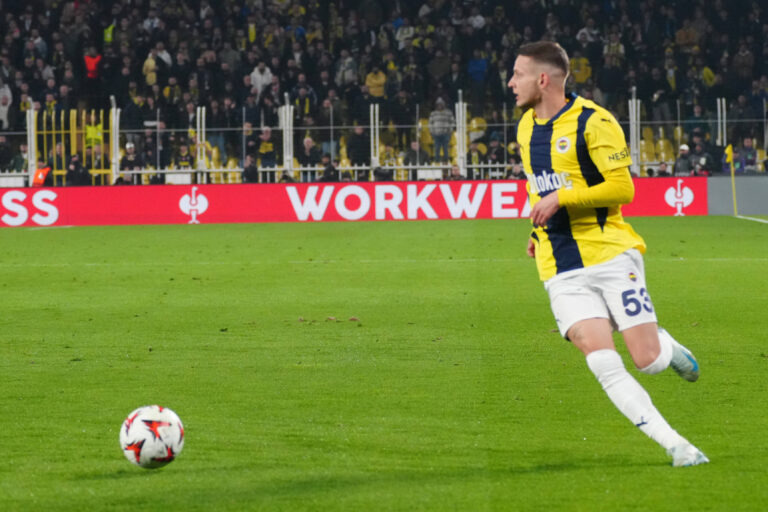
[581, 69]
[19, 160]
[7, 113]
[742, 117]
[402, 114]
[455, 81]
[6, 154]
[441, 125]
[305, 105]
[359, 147]
[330, 173]
[658, 94]
[375, 81]
[415, 156]
[361, 105]
[477, 70]
[703, 162]
[515, 170]
[474, 160]
[683, 165]
[380, 174]
[749, 153]
[92, 86]
[454, 174]
[743, 63]
[250, 170]
[309, 156]
[267, 151]
[77, 175]
[183, 159]
[131, 161]
[324, 85]
[697, 123]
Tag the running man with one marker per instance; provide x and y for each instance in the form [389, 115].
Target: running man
[577, 162]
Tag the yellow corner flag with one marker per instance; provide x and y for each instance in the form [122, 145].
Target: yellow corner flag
[729, 159]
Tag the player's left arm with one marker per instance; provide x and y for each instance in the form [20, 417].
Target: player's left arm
[609, 152]
[615, 190]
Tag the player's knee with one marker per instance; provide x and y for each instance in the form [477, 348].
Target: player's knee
[591, 335]
[645, 358]
[645, 349]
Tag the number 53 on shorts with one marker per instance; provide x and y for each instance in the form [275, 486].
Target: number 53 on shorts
[636, 300]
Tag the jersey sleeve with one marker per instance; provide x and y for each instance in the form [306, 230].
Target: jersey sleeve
[606, 142]
[617, 189]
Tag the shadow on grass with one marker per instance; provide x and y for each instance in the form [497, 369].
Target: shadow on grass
[120, 474]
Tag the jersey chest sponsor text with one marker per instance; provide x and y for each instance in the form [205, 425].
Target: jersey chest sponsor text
[548, 181]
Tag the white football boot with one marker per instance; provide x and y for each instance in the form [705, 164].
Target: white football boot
[686, 455]
[682, 361]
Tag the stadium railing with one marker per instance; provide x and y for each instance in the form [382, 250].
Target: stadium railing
[220, 154]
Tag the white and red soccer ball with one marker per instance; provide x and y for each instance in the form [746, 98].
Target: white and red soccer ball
[152, 436]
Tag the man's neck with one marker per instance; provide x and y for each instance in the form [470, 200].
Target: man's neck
[549, 106]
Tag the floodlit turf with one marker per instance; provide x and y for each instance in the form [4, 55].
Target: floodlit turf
[365, 366]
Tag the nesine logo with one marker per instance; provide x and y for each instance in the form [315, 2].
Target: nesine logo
[193, 205]
[679, 197]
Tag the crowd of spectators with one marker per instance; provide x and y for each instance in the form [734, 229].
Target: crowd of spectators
[160, 60]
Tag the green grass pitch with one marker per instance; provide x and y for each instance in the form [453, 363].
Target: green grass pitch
[365, 366]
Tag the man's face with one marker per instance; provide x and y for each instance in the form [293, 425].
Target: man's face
[525, 82]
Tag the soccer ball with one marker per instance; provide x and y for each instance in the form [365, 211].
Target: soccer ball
[152, 436]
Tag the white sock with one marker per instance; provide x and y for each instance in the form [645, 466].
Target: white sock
[665, 355]
[630, 398]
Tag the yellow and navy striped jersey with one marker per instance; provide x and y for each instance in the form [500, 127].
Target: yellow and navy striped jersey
[582, 155]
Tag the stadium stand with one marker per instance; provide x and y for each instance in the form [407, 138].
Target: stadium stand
[332, 59]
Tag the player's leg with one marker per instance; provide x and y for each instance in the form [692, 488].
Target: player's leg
[648, 353]
[622, 285]
[591, 335]
[583, 317]
[653, 350]
[683, 361]
[625, 392]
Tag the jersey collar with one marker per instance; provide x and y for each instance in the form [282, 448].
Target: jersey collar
[570, 100]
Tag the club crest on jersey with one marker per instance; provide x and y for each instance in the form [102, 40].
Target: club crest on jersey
[632, 277]
[563, 144]
[547, 181]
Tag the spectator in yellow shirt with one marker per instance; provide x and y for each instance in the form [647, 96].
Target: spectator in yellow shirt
[150, 68]
[581, 70]
[375, 80]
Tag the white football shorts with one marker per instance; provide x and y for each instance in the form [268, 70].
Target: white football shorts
[614, 290]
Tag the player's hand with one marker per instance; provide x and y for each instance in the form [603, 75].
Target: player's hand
[545, 209]
[531, 249]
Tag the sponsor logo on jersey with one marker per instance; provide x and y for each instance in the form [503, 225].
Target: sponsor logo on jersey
[548, 181]
[620, 155]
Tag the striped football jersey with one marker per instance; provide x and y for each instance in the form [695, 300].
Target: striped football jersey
[580, 148]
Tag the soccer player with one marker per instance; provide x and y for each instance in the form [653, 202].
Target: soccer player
[576, 161]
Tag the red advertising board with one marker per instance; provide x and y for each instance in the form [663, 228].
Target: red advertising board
[312, 202]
